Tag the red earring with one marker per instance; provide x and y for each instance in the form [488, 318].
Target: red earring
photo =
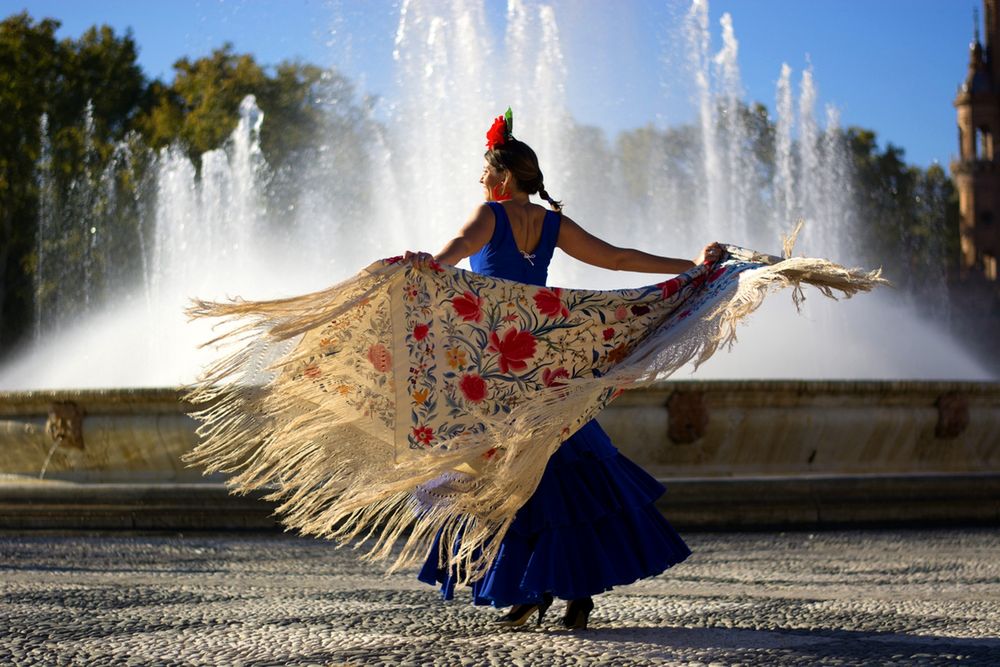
[499, 192]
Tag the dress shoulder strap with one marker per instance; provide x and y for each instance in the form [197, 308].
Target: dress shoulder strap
[498, 212]
[500, 223]
[550, 227]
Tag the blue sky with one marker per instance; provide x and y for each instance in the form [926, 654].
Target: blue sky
[890, 65]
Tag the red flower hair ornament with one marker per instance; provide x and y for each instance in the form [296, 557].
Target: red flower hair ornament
[502, 130]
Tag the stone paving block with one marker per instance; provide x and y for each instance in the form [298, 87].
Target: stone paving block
[903, 597]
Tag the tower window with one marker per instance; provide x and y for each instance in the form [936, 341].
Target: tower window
[984, 143]
[990, 266]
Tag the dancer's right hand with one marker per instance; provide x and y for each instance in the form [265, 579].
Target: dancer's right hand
[419, 260]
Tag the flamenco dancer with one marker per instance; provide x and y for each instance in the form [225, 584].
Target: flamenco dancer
[591, 524]
[444, 417]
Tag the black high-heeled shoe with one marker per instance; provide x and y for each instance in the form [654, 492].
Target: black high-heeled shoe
[520, 613]
[577, 613]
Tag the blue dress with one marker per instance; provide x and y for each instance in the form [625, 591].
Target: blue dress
[592, 523]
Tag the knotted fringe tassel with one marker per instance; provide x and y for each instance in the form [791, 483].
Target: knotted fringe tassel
[340, 475]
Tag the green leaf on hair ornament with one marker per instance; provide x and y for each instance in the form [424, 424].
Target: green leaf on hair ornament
[508, 118]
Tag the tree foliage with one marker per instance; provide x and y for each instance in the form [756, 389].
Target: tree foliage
[198, 109]
[40, 75]
[909, 215]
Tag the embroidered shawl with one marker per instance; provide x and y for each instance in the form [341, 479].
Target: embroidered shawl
[403, 401]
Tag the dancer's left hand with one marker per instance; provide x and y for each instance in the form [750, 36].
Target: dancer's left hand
[713, 252]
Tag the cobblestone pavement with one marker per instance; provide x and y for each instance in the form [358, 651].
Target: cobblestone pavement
[838, 598]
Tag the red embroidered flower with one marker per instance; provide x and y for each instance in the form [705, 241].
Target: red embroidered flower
[312, 371]
[490, 453]
[609, 333]
[380, 357]
[514, 348]
[420, 331]
[640, 310]
[393, 260]
[510, 317]
[423, 434]
[621, 312]
[669, 287]
[549, 302]
[468, 307]
[435, 266]
[497, 134]
[550, 378]
[473, 387]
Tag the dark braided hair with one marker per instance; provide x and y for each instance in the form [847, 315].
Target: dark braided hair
[518, 158]
[556, 205]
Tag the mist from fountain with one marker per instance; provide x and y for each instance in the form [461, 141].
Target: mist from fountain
[46, 204]
[214, 233]
[784, 184]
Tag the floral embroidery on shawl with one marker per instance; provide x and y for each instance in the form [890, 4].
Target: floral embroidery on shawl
[405, 402]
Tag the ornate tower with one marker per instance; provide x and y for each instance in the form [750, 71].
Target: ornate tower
[977, 170]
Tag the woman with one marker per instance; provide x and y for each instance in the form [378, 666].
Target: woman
[591, 524]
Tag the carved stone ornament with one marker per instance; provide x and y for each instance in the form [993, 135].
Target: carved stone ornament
[953, 415]
[65, 424]
[688, 416]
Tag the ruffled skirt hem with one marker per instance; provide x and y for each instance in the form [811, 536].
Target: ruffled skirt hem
[591, 525]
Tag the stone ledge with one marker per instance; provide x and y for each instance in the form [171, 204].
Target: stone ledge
[690, 504]
[833, 501]
[55, 505]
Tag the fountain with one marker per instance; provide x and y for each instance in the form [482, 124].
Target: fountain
[212, 233]
[209, 231]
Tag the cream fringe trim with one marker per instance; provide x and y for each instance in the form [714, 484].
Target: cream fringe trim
[339, 477]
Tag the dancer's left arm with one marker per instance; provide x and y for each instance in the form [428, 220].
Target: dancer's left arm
[578, 243]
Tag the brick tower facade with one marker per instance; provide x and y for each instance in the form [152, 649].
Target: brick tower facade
[977, 170]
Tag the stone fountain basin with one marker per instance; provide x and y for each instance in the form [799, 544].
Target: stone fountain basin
[794, 427]
[734, 454]
[104, 435]
[673, 429]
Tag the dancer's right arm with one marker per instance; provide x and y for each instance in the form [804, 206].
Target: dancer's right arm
[474, 235]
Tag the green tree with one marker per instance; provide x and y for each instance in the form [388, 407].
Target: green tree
[909, 215]
[200, 108]
[30, 66]
[40, 75]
